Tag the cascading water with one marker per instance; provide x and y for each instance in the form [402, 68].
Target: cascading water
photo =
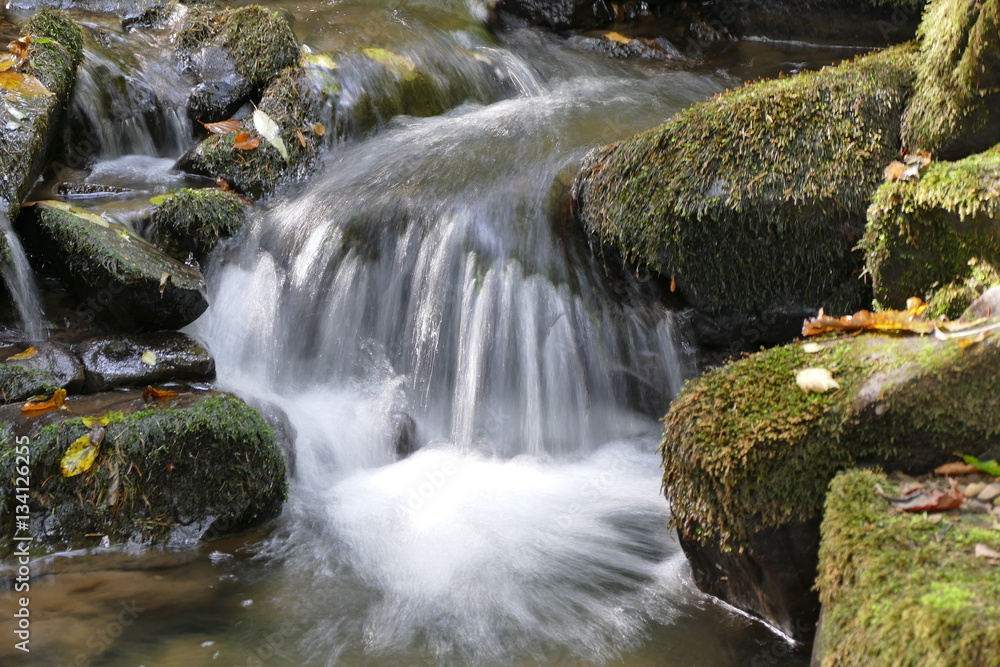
[20, 282]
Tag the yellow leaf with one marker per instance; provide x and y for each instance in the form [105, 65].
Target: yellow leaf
[270, 131]
[149, 358]
[618, 37]
[79, 457]
[318, 129]
[319, 61]
[27, 354]
[57, 401]
[23, 85]
[95, 421]
[395, 63]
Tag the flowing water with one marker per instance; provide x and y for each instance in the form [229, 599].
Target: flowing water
[428, 274]
[19, 280]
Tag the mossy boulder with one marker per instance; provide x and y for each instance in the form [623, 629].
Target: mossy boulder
[180, 469]
[753, 202]
[903, 589]
[748, 455]
[936, 236]
[297, 103]
[143, 359]
[29, 121]
[955, 107]
[117, 275]
[194, 221]
[41, 369]
[235, 54]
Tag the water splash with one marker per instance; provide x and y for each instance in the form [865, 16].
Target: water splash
[20, 282]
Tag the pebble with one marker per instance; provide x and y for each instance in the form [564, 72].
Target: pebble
[974, 489]
[990, 493]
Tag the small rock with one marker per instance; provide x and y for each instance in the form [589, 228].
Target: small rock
[121, 360]
[990, 493]
[974, 489]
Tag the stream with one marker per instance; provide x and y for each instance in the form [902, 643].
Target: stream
[427, 274]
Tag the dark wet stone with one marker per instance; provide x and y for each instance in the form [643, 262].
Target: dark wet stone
[53, 366]
[116, 361]
[403, 434]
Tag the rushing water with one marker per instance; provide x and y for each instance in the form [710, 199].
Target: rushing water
[429, 271]
[20, 282]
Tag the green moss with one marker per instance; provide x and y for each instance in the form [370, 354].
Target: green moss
[932, 233]
[952, 300]
[757, 197]
[957, 91]
[745, 449]
[201, 460]
[18, 383]
[57, 25]
[196, 220]
[902, 589]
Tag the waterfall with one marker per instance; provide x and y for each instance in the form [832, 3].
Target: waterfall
[20, 281]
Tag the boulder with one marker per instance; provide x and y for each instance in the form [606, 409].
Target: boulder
[564, 15]
[118, 276]
[235, 54]
[987, 305]
[402, 434]
[194, 221]
[955, 107]
[903, 588]
[938, 237]
[174, 469]
[42, 368]
[143, 359]
[748, 455]
[752, 203]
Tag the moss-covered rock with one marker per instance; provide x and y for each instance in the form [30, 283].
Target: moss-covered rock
[236, 54]
[748, 455]
[57, 25]
[903, 589]
[180, 468]
[143, 359]
[48, 367]
[924, 236]
[954, 299]
[955, 108]
[754, 201]
[194, 221]
[115, 273]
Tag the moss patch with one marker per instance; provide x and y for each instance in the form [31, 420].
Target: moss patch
[745, 449]
[925, 235]
[955, 108]
[201, 459]
[57, 25]
[18, 383]
[756, 198]
[903, 589]
[196, 220]
[953, 299]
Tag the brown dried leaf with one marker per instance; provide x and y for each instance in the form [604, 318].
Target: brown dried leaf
[301, 137]
[244, 142]
[19, 48]
[27, 354]
[955, 468]
[230, 126]
[57, 400]
[23, 85]
[923, 500]
[319, 129]
[909, 320]
[150, 393]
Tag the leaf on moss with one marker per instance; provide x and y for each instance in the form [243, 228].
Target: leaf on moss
[72, 210]
[244, 142]
[80, 455]
[7, 62]
[955, 468]
[318, 129]
[230, 126]
[41, 405]
[270, 131]
[988, 467]
[27, 354]
[816, 380]
[19, 49]
[159, 200]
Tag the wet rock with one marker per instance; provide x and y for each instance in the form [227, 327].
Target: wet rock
[179, 469]
[116, 361]
[990, 493]
[936, 238]
[564, 14]
[51, 367]
[955, 107]
[194, 221]
[753, 202]
[987, 305]
[118, 276]
[748, 456]
[620, 46]
[235, 54]
[403, 434]
[28, 123]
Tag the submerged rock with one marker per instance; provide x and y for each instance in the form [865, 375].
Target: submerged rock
[748, 455]
[753, 202]
[235, 54]
[403, 434]
[937, 238]
[194, 221]
[52, 366]
[115, 273]
[143, 359]
[955, 108]
[178, 468]
[567, 14]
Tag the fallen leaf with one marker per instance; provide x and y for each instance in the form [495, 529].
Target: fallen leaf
[983, 551]
[243, 142]
[988, 467]
[673, 282]
[23, 85]
[816, 380]
[618, 37]
[223, 184]
[318, 129]
[57, 400]
[909, 320]
[811, 348]
[149, 358]
[19, 48]
[96, 421]
[301, 137]
[164, 277]
[270, 131]
[922, 500]
[159, 200]
[955, 468]
[320, 60]
[223, 126]
[7, 62]
[395, 63]
[80, 456]
[69, 208]
[27, 354]
[900, 171]
[151, 392]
